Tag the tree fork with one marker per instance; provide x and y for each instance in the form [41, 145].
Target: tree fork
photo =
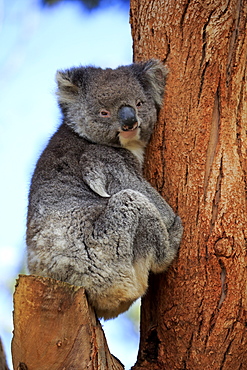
[55, 328]
[197, 159]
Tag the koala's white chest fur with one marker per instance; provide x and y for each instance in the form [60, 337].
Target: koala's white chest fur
[134, 144]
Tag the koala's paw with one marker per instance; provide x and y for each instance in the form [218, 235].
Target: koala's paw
[175, 233]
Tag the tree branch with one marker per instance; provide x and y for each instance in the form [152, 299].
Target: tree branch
[55, 328]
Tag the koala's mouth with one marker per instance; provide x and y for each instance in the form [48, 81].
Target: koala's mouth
[129, 132]
[129, 128]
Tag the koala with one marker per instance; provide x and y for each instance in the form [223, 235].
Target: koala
[93, 220]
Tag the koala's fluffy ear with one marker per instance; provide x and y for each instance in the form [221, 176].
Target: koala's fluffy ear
[67, 90]
[152, 75]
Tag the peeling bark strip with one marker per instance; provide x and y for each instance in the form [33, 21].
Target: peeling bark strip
[55, 329]
[195, 316]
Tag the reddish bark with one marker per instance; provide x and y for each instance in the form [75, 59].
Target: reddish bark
[194, 317]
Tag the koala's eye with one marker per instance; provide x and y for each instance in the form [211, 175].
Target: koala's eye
[104, 113]
[139, 103]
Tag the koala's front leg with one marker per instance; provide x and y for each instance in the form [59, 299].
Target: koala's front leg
[171, 220]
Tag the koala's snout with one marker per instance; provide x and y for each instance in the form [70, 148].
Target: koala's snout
[127, 117]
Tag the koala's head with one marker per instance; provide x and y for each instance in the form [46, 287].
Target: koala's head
[113, 107]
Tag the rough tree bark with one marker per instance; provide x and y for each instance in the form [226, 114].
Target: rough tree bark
[194, 317]
[55, 329]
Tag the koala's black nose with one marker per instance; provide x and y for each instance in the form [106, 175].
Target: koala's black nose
[127, 117]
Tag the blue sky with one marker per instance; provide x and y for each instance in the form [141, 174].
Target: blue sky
[34, 43]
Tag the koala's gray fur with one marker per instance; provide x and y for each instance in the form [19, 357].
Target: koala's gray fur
[93, 220]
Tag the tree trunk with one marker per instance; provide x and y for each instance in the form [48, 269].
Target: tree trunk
[194, 317]
[55, 329]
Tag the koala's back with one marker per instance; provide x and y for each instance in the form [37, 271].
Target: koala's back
[57, 177]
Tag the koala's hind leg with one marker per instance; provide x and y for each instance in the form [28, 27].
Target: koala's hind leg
[131, 225]
[128, 235]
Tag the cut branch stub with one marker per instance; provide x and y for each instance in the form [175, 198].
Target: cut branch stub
[55, 328]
